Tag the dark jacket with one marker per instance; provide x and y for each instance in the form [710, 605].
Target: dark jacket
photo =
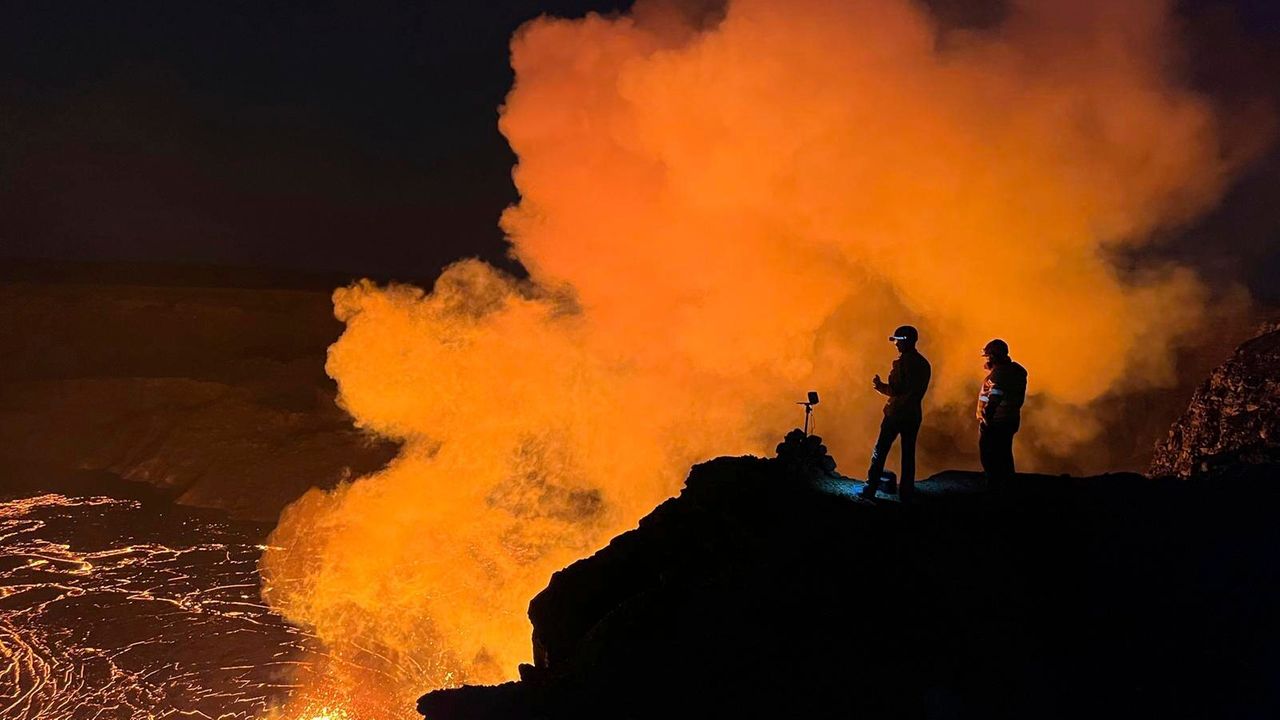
[908, 381]
[1003, 392]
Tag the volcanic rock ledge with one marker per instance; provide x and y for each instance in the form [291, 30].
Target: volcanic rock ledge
[1233, 417]
[758, 592]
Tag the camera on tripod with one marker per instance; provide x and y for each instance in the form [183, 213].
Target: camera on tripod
[808, 408]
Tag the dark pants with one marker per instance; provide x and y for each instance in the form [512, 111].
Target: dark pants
[995, 447]
[890, 428]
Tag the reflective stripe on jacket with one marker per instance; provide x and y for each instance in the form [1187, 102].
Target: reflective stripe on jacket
[1007, 381]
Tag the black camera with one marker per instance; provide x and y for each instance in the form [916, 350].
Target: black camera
[808, 408]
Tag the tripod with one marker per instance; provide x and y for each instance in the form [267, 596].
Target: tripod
[808, 409]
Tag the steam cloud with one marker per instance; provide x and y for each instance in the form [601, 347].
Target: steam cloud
[715, 219]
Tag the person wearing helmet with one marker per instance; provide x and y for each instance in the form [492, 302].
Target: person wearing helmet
[999, 412]
[908, 382]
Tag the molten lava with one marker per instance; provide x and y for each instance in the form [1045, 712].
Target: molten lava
[109, 608]
[717, 215]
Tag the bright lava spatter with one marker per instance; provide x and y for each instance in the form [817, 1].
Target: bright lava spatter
[113, 610]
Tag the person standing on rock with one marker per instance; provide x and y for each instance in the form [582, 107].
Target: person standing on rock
[999, 412]
[908, 382]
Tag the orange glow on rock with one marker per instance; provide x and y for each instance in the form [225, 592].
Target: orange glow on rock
[716, 220]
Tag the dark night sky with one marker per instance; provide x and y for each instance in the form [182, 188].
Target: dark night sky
[324, 135]
[360, 137]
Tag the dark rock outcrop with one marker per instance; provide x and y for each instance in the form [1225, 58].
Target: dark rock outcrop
[752, 594]
[803, 456]
[1233, 417]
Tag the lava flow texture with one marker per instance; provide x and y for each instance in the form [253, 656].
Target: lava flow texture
[113, 610]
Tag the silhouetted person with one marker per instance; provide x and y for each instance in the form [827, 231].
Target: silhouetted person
[1000, 412]
[908, 381]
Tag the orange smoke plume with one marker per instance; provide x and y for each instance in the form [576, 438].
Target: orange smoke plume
[716, 218]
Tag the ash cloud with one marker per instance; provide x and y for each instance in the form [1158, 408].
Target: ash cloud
[719, 211]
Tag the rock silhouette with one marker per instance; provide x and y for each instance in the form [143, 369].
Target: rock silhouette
[1233, 417]
[753, 594]
[803, 456]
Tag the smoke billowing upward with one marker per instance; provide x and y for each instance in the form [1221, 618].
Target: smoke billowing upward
[719, 212]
